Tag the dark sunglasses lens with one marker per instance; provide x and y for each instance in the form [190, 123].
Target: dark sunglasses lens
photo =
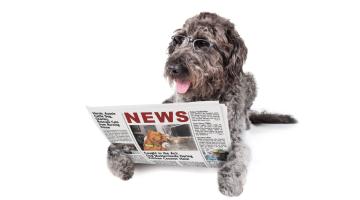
[178, 39]
[201, 44]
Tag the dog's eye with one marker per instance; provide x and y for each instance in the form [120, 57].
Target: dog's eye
[201, 44]
[178, 39]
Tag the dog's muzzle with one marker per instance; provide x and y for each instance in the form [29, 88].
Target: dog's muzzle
[178, 70]
[180, 75]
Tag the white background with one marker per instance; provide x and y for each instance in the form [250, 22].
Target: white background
[56, 57]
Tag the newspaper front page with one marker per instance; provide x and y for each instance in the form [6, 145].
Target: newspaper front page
[179, 134]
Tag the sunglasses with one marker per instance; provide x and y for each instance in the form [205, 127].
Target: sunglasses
[197, 44]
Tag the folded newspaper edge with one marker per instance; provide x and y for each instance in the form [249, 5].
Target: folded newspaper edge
[178, 134]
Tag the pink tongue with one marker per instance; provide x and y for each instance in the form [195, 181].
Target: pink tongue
[182, 86]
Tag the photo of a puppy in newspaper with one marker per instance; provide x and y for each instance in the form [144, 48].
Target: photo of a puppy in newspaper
[205, 63]
[174, 137]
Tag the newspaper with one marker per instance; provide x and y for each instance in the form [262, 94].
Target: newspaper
[178, 134]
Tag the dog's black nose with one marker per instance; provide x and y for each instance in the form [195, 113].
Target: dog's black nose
[177, 69]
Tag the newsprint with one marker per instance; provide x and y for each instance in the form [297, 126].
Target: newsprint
[180, 134]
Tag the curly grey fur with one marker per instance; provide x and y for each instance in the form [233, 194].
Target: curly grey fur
[119, 163]
[215, 74]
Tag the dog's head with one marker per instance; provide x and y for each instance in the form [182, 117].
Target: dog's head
[204, 54]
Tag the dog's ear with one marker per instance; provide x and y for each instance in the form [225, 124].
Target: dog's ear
[172, 46]
[238, 52]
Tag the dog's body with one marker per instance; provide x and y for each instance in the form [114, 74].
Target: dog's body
[205, 61]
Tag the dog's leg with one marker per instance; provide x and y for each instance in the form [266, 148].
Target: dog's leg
[231, 176]
[119, 163]
[169, 100]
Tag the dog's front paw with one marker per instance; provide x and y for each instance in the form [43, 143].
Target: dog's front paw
[230, 181]
[120, 164]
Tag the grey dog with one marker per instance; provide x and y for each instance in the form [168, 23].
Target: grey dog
[206, 58]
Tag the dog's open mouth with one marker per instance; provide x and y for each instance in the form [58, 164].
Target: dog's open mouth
[182, 86]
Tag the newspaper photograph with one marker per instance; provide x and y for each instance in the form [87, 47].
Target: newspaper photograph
[178, 134]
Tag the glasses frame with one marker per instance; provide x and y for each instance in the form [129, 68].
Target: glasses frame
[192, 41]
